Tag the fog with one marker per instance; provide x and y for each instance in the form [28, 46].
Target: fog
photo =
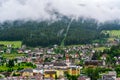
[102, 10]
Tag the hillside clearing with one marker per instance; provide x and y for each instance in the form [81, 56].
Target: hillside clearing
[15, 44]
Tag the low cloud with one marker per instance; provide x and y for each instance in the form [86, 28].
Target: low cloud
[101, 10]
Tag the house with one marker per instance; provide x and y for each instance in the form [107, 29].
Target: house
[23, 78]
[2, 51]
[117, 60]
[68, 60]
[104, 57]
[93, 63]
[8, 51]
[48, 65]
[28, 59]
[83, 78]
[60, 65]
[20, 59]
[50, 74]
[20, 51]
[6, 73]
[39, 65]
[61, 72]
[74, 70]
[27, 51]
[9, 45]
[26, 72]
[60, 68]
[38, 70]
[111, 75]
[50, 51]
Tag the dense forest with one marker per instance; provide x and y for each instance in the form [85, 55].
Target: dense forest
[46, 33]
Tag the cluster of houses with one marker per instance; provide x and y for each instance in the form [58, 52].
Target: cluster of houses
[53, 70]
[51, 66]
[49, 71]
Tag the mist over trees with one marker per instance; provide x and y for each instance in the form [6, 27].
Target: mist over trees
[46, 33]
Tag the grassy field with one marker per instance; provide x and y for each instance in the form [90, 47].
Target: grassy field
[16, 44]
[111, 39]
[4, 68]
[11, 56]
[113, 33]
[100, 48]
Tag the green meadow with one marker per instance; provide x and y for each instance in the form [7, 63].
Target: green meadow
[12, 56]
[15, 44]
[101, 48]
[112, 33]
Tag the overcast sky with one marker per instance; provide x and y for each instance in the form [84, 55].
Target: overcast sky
[101, 10]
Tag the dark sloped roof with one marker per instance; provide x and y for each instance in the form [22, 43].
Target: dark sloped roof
[50, 72]
[26, 70]
[48, 63]
[94, 62]
[60, 64]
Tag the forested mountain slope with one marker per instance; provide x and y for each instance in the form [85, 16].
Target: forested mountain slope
[45, 33]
